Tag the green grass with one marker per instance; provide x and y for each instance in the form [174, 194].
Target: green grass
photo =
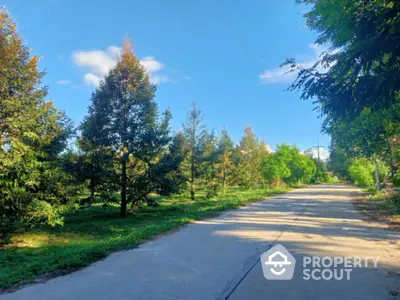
[92, 233]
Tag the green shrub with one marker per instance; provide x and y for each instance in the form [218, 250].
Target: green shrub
[361, 172]
[396, 179]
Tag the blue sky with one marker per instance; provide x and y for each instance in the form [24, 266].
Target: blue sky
[222, 54]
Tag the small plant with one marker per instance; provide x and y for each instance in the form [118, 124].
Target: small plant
[396, 179]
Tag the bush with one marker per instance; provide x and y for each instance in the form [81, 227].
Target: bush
[321, 176]
[43, 213]
[396, 179]
[361, 172]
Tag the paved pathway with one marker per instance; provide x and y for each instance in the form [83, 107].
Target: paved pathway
[218, 258]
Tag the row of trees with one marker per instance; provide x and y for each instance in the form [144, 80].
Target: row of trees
[356, 83]
[124, 150]
[117, 157]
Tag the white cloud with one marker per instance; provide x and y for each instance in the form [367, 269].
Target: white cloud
[277, 75]
[157, 79]
[99, 62]
[323, 153]
[282, 75]
[151, 64]
[63, 82]
[91, 79]
[114, 50]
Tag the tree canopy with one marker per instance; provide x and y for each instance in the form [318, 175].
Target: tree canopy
[32, 134]
[123, 119]
[355, 84]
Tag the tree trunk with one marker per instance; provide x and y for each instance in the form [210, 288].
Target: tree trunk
[92, 189]
[123, 188]
[192, 192]
[377, 175]
[224, 184]
[392, 157]
[224, 178]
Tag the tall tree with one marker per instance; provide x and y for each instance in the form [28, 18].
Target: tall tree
[370, 134]
[226, 166]
[357, 81]
[338, 161]
[32, 135]
[193, 130]
[365, 57]
[249, 164]
[208, 167]
[123, 117]
[156, 171]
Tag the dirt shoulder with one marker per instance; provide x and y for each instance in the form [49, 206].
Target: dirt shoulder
[383, 206]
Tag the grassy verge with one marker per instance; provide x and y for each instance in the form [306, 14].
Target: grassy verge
[91, 234]
[382, 205]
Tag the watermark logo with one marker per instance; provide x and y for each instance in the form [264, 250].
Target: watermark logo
[334, 268]
[277, 263]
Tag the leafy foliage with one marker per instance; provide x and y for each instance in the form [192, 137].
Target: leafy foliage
[249, 158]
[338, 162]
[289, 165]
[355, 84]
[225, 159]
[396, 179]
[194, 131]
[364, 64]
[361, 172]
[122, 121]
[126, 155]
[32, 135]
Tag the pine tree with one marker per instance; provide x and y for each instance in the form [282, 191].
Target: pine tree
[32, 135]
[208, 166]
[226, 164]
[123, 119]
[169, 171]
[94, 165]
[249, 165]
[193, 130]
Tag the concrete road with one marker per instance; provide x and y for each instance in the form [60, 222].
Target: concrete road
[219, 258]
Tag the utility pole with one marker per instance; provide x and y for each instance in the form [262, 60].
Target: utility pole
[318, 147]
